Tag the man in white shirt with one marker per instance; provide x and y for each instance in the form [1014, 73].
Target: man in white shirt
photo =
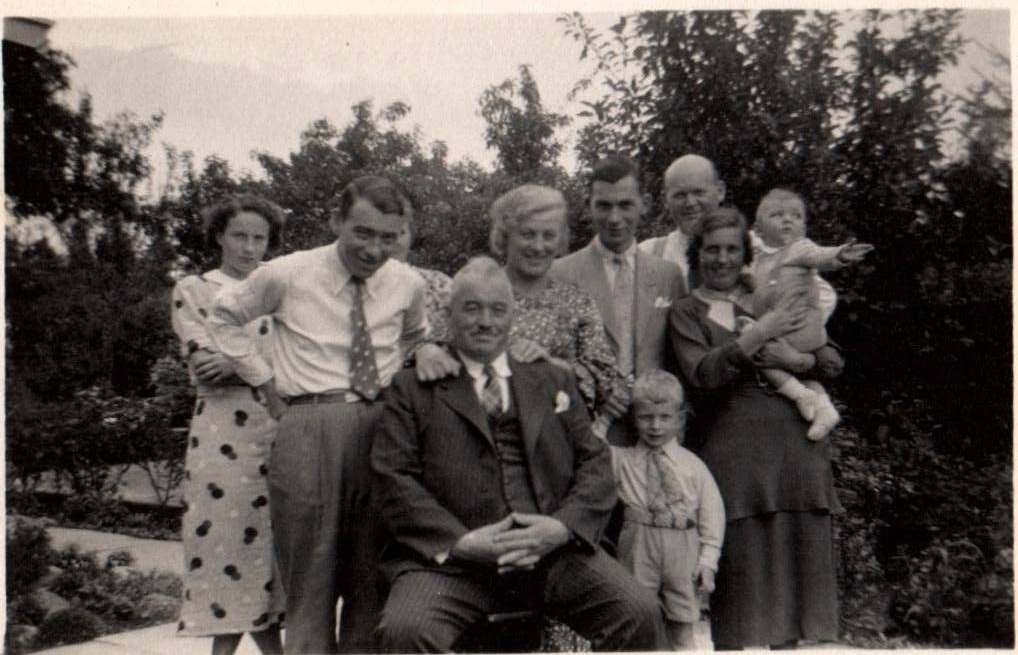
[692, 188]
[344, 316]
[493, 487]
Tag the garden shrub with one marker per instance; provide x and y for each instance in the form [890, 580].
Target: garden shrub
[25, 609]
[28, 549]
[89, 443]
[73, 625]
[925, 545]
[117, 599]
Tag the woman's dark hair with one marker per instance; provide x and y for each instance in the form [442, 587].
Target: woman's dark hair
[217, 217]
[719, 219]
[384, 195]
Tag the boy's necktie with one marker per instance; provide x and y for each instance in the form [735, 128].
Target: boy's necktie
[666, 503]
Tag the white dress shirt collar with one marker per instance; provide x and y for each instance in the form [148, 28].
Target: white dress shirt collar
[670, 449]
[343, 274]
[610, 255]
[217, 276]
[476, 368]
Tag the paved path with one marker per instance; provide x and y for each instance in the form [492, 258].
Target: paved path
[148, 553]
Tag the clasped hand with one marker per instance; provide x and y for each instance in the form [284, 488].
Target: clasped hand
[211, 367]
[516, 543]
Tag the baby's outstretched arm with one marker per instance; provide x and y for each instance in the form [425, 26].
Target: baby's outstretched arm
[852, 253]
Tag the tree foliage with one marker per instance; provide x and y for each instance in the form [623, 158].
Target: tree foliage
[518, 128]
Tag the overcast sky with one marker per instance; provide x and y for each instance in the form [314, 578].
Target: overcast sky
[230, 85]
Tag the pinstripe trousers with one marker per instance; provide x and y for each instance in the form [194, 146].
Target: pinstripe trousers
[429, 609]
[324, 525]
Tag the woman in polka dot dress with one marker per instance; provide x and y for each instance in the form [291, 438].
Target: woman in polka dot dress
[228, 587]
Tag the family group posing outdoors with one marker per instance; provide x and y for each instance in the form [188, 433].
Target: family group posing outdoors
[434, 450]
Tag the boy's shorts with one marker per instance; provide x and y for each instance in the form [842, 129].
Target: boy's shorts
[664, 560]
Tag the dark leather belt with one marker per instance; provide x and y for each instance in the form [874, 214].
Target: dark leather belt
[325, 398]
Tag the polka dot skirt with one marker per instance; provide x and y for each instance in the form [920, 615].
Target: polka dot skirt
[229, 585]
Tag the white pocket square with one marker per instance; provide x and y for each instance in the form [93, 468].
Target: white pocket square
[661, 301]
[561, 402]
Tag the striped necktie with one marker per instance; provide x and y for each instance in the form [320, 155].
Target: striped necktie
[491, 394]
[623, 296]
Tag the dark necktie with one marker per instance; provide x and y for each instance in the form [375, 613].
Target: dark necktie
[491, 394]
[363, 370]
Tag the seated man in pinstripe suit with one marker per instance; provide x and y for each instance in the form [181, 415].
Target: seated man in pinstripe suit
[492, 485]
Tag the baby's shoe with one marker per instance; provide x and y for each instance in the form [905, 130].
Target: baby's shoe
[827, 417]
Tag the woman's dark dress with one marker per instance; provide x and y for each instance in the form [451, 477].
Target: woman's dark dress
[776, 580]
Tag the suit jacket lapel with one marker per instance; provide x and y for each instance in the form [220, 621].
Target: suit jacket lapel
[531, 407]
[458, 393]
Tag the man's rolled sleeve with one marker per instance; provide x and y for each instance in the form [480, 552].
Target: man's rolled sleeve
[416, 329]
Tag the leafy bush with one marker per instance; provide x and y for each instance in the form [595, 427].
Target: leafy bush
[73, 625]
[925, 545]
[955, 595]
[25, 610]
[115, 598]
[89, 443]
[28, 548]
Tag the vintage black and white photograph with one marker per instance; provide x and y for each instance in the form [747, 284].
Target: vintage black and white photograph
[465, 327]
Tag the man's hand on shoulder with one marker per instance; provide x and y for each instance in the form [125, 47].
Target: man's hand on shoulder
[434, 363]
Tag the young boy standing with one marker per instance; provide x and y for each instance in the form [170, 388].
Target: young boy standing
[674, 517]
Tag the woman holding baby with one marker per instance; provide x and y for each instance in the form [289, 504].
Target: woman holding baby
[776, 582]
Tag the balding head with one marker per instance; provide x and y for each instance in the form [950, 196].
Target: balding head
[692, 188]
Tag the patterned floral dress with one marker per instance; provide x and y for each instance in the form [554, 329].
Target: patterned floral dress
[437, 302]
[564, 319]
[226, 533]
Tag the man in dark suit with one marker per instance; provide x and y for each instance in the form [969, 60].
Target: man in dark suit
[492, 484]
[633, 290]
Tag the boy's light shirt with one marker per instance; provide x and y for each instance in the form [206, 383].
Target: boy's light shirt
[697, 484]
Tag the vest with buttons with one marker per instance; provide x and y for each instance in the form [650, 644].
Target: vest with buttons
[517, 489]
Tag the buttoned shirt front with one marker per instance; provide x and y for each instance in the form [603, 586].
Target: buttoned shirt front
[673, 247]
[309, 298]
[476, 371]
[697, 487]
